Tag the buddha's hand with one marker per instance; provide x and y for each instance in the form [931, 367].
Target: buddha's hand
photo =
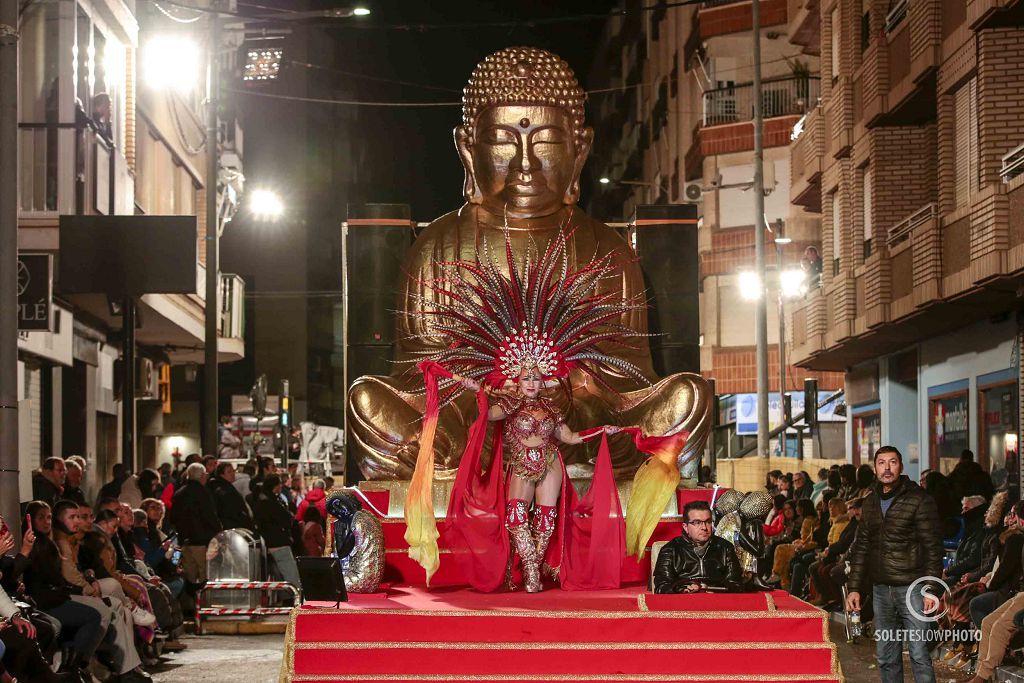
[612, 429]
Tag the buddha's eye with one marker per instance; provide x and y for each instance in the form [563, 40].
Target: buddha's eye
[499, 136]
[548, 136]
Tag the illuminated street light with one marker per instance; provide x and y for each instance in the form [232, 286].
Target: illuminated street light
[750, 285]
[361, 11]
[791, 282]
[171, 62]
[262, 64]
[604, 180]
[266, 205]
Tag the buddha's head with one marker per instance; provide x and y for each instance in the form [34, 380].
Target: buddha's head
[522, 140]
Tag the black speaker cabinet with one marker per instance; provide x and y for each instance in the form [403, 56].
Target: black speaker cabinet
[666, 245]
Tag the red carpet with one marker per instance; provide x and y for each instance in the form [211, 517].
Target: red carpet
[623, 635]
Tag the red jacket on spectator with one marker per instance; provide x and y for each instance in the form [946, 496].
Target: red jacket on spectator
[317, 497]
[775, 528]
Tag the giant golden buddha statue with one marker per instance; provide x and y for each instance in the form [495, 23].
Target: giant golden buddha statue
[523, 144]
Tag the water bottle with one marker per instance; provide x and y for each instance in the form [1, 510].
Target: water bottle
[856, 630]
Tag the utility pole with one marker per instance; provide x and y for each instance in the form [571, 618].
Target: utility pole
[782, 339]
[9, 493]
[761, 319]
[210, 410]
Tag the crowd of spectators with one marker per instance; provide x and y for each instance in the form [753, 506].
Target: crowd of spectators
[875, 532]
[99, 588]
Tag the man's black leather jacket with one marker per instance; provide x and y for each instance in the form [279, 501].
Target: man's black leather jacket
[679, 565]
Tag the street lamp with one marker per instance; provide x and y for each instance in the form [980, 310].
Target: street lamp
[265, 205]
[171, 62]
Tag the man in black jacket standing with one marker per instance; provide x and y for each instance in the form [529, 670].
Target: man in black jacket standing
[898, 550]
[275, 525]
[195, 517]
[698, 560]
[231, 507]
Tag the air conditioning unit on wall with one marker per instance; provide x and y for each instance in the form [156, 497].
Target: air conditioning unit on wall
[693, 193]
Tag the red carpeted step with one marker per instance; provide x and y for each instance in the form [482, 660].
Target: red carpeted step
[662, 678]
[464, 659]
[363, 626]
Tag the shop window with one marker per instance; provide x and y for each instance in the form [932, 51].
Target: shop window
[998, 448]
[948, 429]
[867, 435]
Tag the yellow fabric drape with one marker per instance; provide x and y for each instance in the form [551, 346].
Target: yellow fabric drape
[653, 487]
[420, 526]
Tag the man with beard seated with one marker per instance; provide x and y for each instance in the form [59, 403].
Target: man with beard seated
[698, 560]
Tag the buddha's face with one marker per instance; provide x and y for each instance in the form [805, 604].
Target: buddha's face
[523, 160]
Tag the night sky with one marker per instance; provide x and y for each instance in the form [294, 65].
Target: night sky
[409, 156]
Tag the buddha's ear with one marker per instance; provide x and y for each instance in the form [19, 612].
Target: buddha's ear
[586, 141]
[470, 189]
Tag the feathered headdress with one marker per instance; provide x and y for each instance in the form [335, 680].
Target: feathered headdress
[545, 318]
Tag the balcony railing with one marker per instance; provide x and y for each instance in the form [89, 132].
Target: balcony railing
[897, 13]
[69, 168]
[1013, 164]
[779, 97]
[901, 231]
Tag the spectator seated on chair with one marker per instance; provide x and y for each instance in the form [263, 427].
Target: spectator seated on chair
[698, 560]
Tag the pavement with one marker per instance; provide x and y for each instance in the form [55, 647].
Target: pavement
[860, 665]
[224, 659]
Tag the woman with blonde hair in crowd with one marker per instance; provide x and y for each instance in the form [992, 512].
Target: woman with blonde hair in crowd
[784, 553]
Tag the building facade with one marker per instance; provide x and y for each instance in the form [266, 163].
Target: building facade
[673, 116]
[93, 139]
[912, 162]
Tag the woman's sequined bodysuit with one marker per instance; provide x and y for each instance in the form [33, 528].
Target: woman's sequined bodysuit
[525, 420]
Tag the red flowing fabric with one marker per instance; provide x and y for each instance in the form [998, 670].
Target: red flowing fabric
[595, 540]
[476, 510]
[587, 546]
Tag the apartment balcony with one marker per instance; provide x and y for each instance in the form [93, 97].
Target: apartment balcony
[895, 83]
[915, 252]
[723, 17]
[807, 155]
[872, 286]
[68, 169]
[728, 115]
[805, 25]
[994, 13]
[808, 326]
[920, 283]
[71, 169]
[780, 97]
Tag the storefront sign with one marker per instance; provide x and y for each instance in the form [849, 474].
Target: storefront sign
[742, 409]
[949, 426]
[35, 292]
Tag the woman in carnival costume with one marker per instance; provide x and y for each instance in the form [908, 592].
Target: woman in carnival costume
[512, 336]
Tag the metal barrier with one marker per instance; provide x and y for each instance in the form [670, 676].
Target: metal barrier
[247, 611]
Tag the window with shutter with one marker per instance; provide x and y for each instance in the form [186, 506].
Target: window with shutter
[965, 142]
[835, 43]
[837, 232]
[866, 218]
